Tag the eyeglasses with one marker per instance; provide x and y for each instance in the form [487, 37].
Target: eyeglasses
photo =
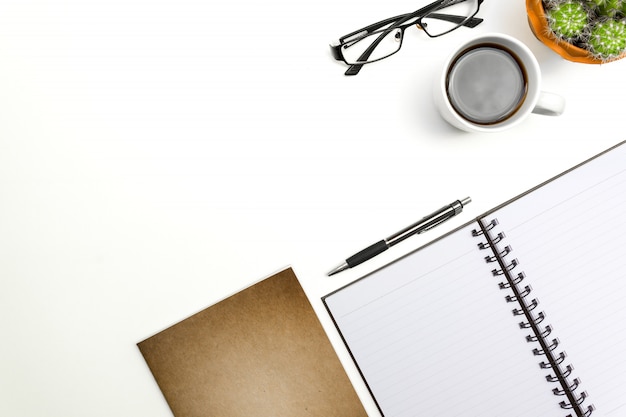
[384, 38]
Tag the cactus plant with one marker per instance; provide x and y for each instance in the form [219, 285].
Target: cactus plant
[607, 39]
[609, 8]
[598, 26]
[568, 20]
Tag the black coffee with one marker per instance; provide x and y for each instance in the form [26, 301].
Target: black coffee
[486, 84]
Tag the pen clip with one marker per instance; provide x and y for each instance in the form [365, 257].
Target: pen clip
[457, 207]
[436, 223]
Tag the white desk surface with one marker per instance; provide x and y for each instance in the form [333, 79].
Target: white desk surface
[156, 157]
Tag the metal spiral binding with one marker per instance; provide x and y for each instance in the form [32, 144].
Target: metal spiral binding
[533, 320]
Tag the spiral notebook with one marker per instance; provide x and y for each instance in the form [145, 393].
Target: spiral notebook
[521, 312]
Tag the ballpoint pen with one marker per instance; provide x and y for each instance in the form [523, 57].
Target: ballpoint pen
[427, 223]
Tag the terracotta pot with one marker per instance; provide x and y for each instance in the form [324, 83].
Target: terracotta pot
[539, 26]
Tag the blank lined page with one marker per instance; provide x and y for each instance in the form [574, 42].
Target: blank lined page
[432, 335]
[569, 237]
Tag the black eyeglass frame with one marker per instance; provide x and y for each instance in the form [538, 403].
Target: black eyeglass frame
[398, 22]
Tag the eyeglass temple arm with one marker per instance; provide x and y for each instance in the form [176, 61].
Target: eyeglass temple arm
[373, 27]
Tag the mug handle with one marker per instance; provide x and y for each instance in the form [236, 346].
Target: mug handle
[549, 104]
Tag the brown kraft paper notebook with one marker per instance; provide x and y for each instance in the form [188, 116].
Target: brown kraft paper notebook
[261, 352]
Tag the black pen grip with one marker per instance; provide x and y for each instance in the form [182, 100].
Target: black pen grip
[367, 253]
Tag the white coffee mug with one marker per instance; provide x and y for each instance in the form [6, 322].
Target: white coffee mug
[490, 83]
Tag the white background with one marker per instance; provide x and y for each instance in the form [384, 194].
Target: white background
[158, 156]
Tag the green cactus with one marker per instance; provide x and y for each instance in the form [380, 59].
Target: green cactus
[568, 19]
[608, 8]
[607, 39]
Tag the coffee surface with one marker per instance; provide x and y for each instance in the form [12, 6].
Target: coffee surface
[486, 85]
